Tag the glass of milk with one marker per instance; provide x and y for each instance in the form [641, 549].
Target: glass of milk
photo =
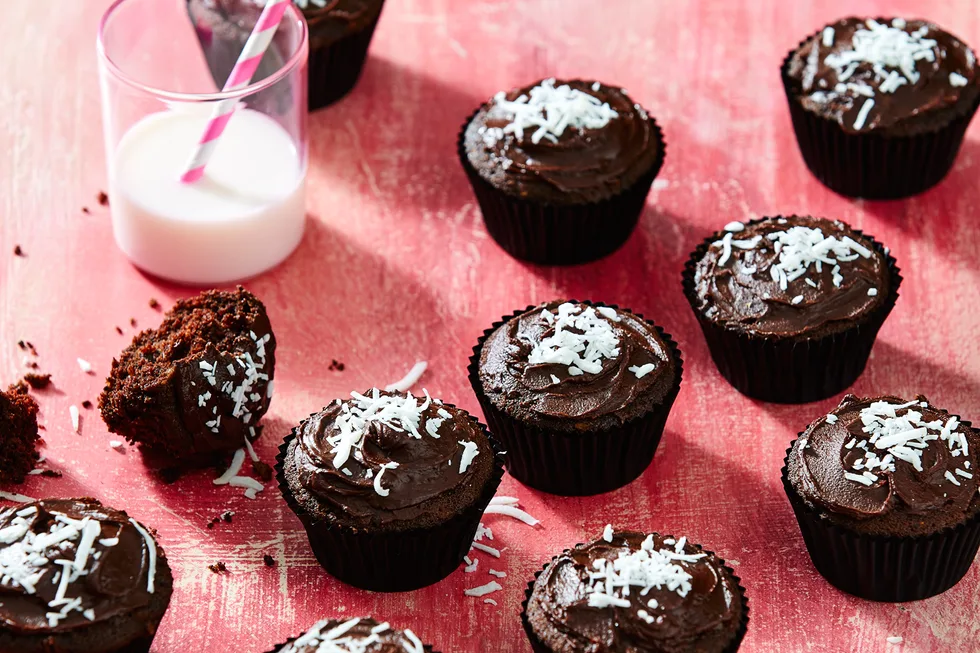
[248, 212]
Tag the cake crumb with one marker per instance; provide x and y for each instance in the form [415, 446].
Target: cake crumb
[37, 381]
[85, 210]
[102, 198]
[18, 251]
[51, 473]
[218, 567]
[269, 560]
[262, 470]
[87, 404]
[336, 366]
[132, 321]
[154, 304]
[119, 331]
[227, 516]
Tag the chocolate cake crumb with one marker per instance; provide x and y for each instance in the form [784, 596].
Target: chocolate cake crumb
[32, 365]
[51, 473]
[18, 433]
[262, 470]
[336, 366]
[132, 321]
[18, 251]
[210, 524]
[227, 516]
[154, 304]
[87, 404]
[218, 567]
[119, 331]
[103, 198]
[31, 348]
[22, 344]
[37, 381]
[269, 560]
[85, 210]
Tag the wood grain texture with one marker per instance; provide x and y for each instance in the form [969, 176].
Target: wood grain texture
[396, 266]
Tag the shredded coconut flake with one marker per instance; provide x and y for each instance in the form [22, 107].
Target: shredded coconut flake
[470, 451]
[405, 383]
[641, 371]
[483, 590]
[236, 466]
[582, 338]
[73, 413]
[84, 365]
[607, 533]
[547, 111]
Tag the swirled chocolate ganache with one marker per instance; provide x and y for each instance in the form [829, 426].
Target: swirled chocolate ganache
[79, 576]
[559, 142]
[888, 466]
[795, 277]
[894, 77]
[357, 635]
[572, 366]
[388, 461]
[630, 592]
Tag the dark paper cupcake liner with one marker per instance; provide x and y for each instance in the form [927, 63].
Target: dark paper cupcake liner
[872, 165]
[581, 463]
[540, 647]
[552, 234]
[395, 561]
[791, 371]
[335, 68]
[880, 568]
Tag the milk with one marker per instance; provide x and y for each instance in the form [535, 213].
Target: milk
[244, 217]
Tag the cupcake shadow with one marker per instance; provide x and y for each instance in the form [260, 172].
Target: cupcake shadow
[394, 137]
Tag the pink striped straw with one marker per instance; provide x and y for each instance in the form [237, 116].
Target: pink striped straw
[240, 77]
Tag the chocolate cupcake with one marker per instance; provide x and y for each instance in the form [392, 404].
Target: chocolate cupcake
[790, 307]
[880, 107]
[340, 33]
[389, 487]
[195, 387]
[886, 496]
[629, 592]
[361, 634]
[577, 393]
[80, 577]
[561, 170]
[18, 434]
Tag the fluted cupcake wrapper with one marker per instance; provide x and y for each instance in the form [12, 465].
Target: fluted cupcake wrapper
[869, 164]
[391, 561]
[880, 568]
[554, 234]
[540, 647]
[334, 68]
[580, 463]
[786, 370]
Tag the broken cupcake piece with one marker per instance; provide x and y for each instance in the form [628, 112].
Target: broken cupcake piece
[195, 387]
[18, 434]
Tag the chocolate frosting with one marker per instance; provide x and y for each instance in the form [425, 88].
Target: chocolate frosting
[740, 293]
[590, 400]
[582, 166]
[115, 582]
[830, 91]
[705, 620]
[426, 481]
[901, 502]
[387, 640]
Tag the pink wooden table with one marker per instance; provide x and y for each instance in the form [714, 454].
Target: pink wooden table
[396, 266]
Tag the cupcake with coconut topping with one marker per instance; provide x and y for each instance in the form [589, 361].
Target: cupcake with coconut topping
[390, 487]
[79, 576]
[886, 496]
[360, 634]
[340, 32]
[628, 592]
[880, 106]
[561, 170]
[790, 307]
[577, 393]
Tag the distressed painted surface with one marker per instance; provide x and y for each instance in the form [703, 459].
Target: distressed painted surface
[397, 266]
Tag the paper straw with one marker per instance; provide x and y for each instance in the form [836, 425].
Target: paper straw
[240, 77]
